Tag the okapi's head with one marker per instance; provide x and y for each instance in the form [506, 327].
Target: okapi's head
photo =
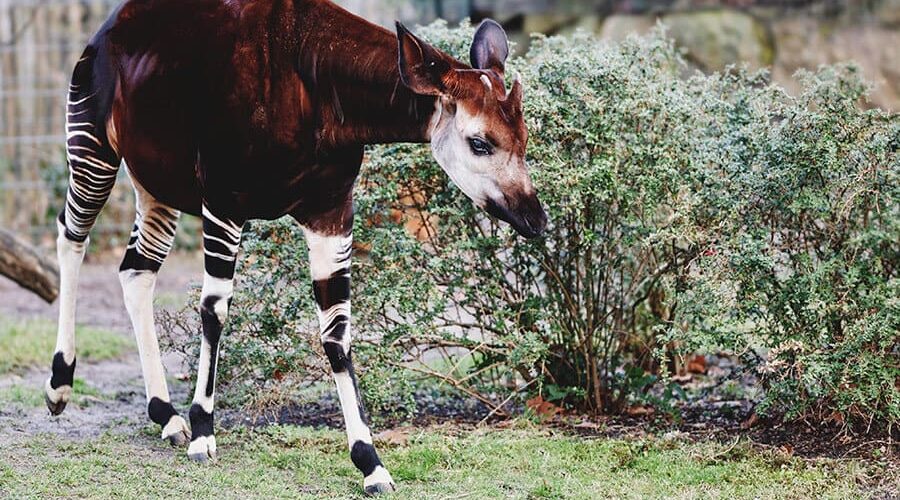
[478, 133]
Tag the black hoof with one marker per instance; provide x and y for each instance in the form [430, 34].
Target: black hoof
[379, 488]
[55, 408]
[200, 458]
[179, 439]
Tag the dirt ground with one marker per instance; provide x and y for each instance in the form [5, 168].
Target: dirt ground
[123, 407]
[99, 293]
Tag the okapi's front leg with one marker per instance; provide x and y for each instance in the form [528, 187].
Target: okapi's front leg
[329, 259]
[221, 239]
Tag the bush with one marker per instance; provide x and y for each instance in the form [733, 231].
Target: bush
[611, 151]
[803, 268]
[687, 213]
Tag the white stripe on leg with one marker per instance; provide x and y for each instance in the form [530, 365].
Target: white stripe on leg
[222, 290]
[58, 388]
[357, 430]
[329, 261]
[137, 289]
[70, 255]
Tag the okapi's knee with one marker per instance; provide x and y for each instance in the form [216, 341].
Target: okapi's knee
[137, 289]
[69, 234]
[213, 313]
[71, 242]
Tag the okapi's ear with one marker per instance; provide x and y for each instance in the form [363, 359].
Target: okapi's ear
[490, 48]
[422, 67]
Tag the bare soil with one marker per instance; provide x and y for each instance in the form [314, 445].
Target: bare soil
[123, 405]
[99, 293]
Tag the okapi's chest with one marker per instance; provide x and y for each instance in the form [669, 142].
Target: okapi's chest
[212, 104]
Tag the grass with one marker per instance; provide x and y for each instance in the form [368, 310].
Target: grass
[26, 396]
[528, 462]
[28, 343]
[32, 396]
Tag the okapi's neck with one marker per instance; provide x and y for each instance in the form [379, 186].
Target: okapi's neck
[354, 67]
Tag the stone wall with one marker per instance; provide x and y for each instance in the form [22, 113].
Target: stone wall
[783, 36]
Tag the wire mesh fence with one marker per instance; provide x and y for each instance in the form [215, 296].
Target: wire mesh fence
[40, 40]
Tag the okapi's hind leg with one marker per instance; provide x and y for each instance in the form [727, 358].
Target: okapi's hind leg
[329, 261]
[151, 240]
[93, 166]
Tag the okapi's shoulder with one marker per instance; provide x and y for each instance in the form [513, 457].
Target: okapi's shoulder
[268, 87]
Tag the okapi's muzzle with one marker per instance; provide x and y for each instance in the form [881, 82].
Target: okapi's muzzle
[524, 213]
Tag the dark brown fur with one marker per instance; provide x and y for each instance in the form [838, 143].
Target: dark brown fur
[263, 106]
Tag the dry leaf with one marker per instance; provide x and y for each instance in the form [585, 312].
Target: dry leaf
[393, 437]
[639, 410]
[544, 409]
[697, 364]
[750, 422]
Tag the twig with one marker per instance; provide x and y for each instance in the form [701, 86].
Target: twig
[507, 400]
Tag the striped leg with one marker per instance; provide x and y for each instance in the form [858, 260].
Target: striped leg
[221, 239]
[151, 240]
[93, 166]
[329, 258]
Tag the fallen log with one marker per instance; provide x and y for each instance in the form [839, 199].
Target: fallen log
[21, 263]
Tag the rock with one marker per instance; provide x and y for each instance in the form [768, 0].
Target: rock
[548, 23]
[590, 23]
[716, 38]
[888, 13]
[618, 27]
[805, 43]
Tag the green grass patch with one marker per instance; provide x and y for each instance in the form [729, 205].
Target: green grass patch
[21, 395]
[294, 462]
[28, 343]
[30, 396]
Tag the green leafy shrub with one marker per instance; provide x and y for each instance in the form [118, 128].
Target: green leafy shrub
[687, 213]
[803, 268]
[610, 148]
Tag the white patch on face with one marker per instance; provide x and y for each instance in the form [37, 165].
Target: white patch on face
[481, 178]
[475, 176]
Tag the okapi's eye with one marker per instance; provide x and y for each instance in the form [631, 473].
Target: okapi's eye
[480, 147]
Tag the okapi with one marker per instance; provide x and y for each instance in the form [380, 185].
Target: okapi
[233, 110]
